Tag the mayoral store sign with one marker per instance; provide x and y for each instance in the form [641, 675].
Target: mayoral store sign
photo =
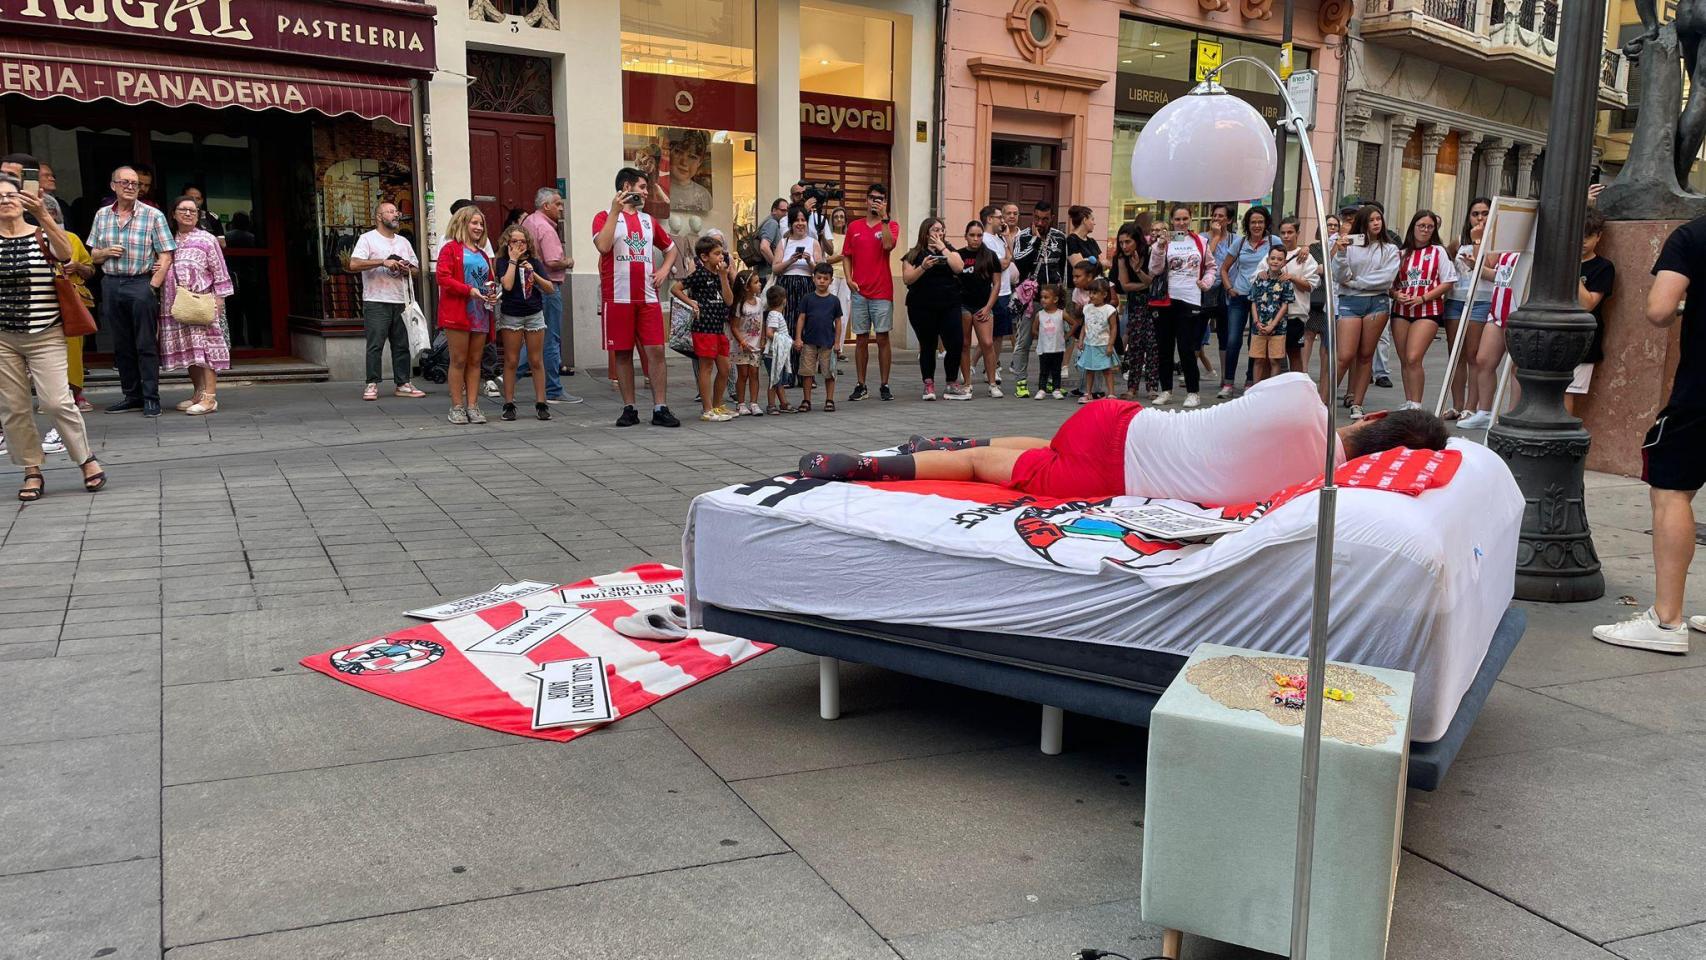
[392, 34]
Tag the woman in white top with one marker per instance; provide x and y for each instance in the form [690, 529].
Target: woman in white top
[1305, 275]
[1184, 258]
[1364, 265]
[1463, 305]
[796, 254]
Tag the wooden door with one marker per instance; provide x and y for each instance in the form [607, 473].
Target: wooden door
[510, 158]
[1023, 187]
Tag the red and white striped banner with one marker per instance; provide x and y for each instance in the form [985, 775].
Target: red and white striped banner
[435, 666]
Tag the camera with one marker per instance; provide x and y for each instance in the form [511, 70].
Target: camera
[823, 192]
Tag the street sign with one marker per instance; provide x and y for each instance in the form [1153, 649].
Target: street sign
[571, 692]
[1286, 59]
[1206, 59]
[1301, 88]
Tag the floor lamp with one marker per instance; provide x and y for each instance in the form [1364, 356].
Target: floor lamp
[1207, 146]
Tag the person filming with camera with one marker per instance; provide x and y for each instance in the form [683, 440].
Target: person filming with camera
[628, 288]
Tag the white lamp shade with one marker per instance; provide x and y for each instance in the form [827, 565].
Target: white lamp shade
[1204, 146]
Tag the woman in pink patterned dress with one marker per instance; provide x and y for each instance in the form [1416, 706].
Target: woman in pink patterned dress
[198, 266]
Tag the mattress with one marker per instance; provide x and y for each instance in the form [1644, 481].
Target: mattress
[1419, 582]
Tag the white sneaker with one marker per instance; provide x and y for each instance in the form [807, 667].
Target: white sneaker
[995, 391]
[1479, 420]
[929, 390]
[1193, 400]
[1225, 393]
[1697, 623]
[957, 391]
[1060, 395]
[52, 443]
[1644, 632]
[1356, 412]
[1161, 399]
[998, 379]
[492, 389]
[1412, 405]
[1040, 395]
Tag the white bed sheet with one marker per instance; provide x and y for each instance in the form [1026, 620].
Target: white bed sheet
[1419, 583]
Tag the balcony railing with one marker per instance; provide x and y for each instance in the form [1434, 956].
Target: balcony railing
[533, 13]
[1515, 38]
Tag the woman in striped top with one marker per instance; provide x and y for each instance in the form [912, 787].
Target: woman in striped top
[32, 341]
[1425, 278]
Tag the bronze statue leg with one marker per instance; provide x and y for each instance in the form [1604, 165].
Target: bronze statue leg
[1691, 124]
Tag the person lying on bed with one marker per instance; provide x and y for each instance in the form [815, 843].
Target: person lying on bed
[1236, 452]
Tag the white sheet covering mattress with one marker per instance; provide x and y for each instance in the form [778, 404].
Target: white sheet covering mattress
[1419, 582]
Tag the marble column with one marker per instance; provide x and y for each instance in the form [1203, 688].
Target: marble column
[1466, 144]
[1433, 136]
[1493, 154]
[1392, 176]
[1525, 157]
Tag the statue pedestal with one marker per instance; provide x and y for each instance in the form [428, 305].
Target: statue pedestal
[1633, 381]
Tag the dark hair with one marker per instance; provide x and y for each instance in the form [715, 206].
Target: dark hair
[743, 280]
[778, 202]
[1594, 224]
[1346, 213]
[705, 246]
[458, 205]
[876, 188]
[191, 185]
[628, 176]
[1060, 297]
[1077, 214]
[985, 261]
[1292, 222]
[1175, 208]
[21, 159]
[823, 269]
[1410, 231]
[1088, 266]
[1415, 429]
[142, 168]
[1466, 240]
[1230, 208]
[1267, 220]
[1044, 206]
[917, 251]
[1102, 286]
[775, 297]
[989, 210]
[798, 210]
[1139, 242]
[1364, 225]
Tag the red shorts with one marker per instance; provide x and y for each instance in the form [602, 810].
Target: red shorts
[1086, 458]
[623, 322]
[710, 345]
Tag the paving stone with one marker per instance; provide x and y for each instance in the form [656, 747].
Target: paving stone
[1668, 702]
[27, 651]
[267, 853]
[145, 644]
[110, 910]
[1681, 943]
[72, 803]
[763, 723]
[229, 646]
[1514, 720]
[111, 628]
[1604, 820]
[1011, 833]
[1107, 926]
[61, 699]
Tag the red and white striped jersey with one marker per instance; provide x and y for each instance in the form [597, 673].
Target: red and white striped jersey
[1504, 296]
[625, 273]
[1421, 271]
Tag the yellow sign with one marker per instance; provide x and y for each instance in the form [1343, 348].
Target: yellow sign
[1207, 59]
[1286, 59]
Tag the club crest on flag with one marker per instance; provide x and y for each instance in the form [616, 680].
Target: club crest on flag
[386, 655]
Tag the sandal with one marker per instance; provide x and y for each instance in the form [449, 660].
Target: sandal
[772, 410]
[95, 482]
[829, 406]
[30, 494]
[184, 405]
[804, 407]
[1452, 414]
[784, 408]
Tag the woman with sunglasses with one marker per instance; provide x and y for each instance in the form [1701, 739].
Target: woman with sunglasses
[198, 267]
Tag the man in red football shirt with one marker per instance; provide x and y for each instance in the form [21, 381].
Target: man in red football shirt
[866, 248]
[628, 288]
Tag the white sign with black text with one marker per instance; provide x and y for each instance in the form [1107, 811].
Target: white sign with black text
[497, 596]
[572, 692]
[623, 591]
[1165, 523]
[530, 631]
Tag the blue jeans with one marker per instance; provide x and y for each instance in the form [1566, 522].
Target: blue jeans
[553, 346]
[1232, 335]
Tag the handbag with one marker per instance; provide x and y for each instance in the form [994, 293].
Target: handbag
[680, 328]
[415, 322]
[193, 309]
[74, 315]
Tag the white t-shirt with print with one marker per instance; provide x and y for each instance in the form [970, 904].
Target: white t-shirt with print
[379, 284]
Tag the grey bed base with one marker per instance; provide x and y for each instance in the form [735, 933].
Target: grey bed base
[994, 666]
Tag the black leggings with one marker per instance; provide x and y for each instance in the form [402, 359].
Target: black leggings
[1049, 376]
[933, 322]
[1178, 330]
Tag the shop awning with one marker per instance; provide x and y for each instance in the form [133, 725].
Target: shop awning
[42, 70]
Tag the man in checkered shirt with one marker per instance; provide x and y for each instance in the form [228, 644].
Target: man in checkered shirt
[133, 246]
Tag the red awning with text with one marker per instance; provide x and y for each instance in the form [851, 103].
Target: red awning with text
[42, 70]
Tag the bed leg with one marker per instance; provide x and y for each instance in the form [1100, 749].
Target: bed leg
[829, 688]
[1172, 944]
[1054, 722]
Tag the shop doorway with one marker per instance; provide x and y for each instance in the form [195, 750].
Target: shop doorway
[510, 158]
[1024, 171]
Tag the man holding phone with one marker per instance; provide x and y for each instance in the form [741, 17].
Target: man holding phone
[866, 248]
[386, 261]
[132, 245]
[625, 236]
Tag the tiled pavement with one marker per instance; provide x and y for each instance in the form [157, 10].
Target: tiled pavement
[171, 780]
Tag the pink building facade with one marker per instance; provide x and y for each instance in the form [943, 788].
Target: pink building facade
[1046, 97]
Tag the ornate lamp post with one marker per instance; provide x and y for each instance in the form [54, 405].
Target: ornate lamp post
[1544, 445]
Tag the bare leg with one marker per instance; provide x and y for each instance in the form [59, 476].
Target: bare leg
[1417, 339]
[535, 348]
[458, 340]
[1488, 354]
[511, 340]
[622, 368]
[990, 464]
[658, 372]
[1673, 550]
[1369, 340]
[1350, 354]
[862, 354]
[885, 357]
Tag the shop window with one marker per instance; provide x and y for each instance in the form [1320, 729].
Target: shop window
[706, 41]
[1020, 154]
[701, 179]
[505, 83]
[1161, 51]
[846, 54]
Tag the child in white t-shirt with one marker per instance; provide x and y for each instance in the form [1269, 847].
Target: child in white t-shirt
[1049, 328]
[776, 322]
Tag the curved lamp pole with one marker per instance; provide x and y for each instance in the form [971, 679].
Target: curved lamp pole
[1208, 98]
